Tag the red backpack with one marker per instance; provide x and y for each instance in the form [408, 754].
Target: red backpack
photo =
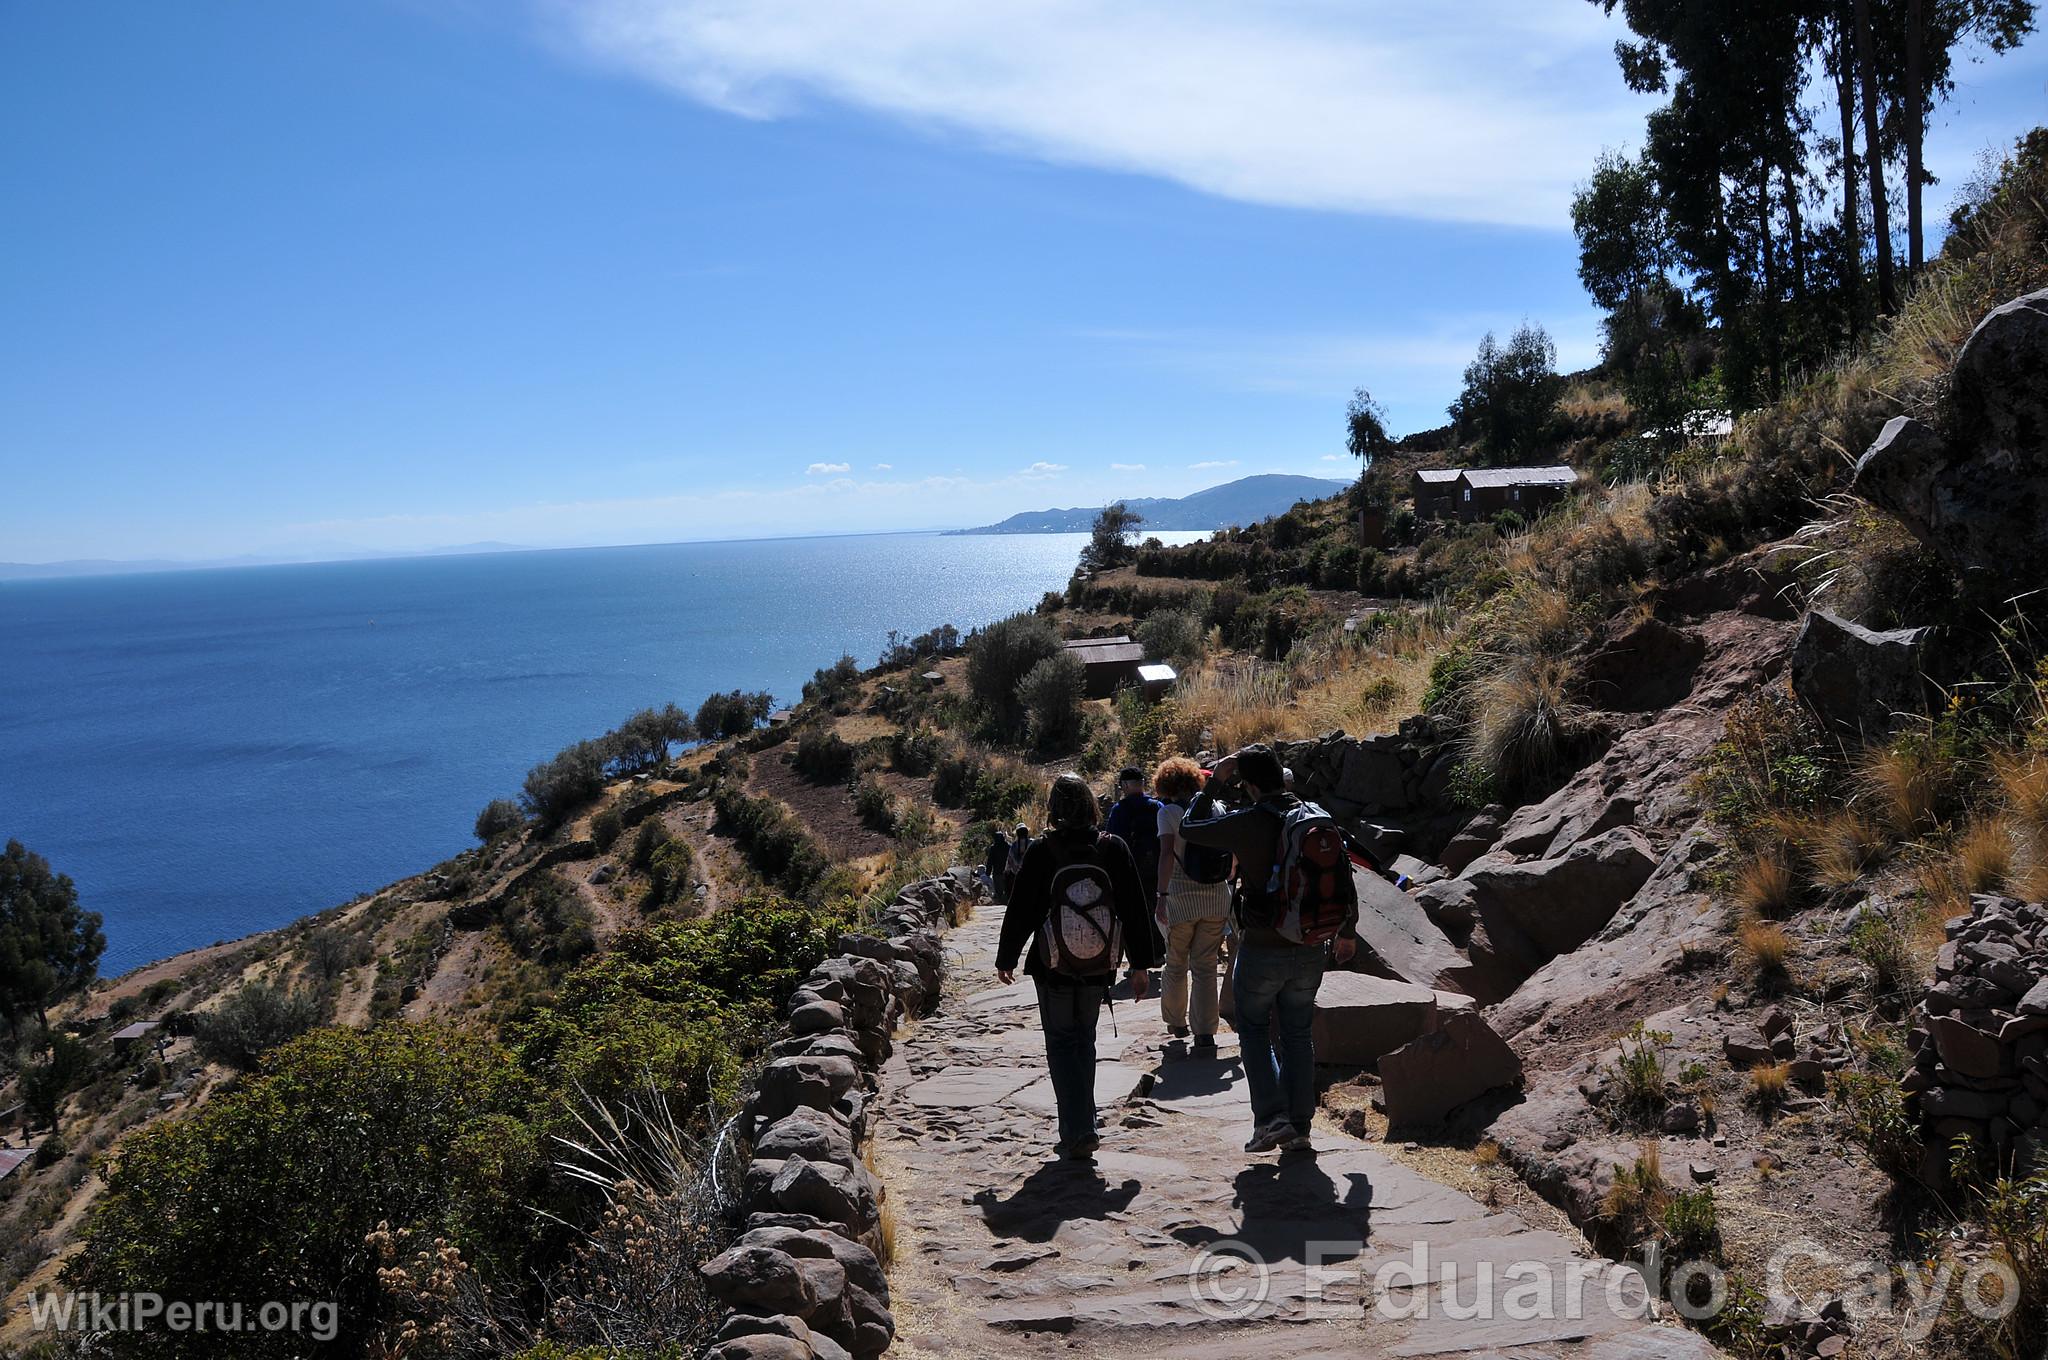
[1310, 895]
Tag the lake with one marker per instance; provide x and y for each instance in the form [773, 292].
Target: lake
[213, 753]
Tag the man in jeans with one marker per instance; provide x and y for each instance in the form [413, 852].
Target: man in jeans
[1273, 979]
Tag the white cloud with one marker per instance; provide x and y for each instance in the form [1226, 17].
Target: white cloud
[885, 467]
[1333, 458]
[1126, 467]
[1045, 469]
[1486, 111]
[1214, 463]
[827, 469]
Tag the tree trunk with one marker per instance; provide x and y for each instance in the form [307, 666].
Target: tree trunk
[1796, 226]
[1773, 329]
[1916, 132]
[1852, 232]
[1873, 156]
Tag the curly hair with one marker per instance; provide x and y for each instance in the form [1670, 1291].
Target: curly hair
[1176, 778]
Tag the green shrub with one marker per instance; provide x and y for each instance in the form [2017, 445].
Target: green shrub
[966, 780]
[254, 1019]
[269, 1191]
[998, 658]
[606, 828]
[330, 952]
[915, 749]
[559, 787]
[671, 870]
[835, 686]
[1051, 697]
[499, 816]
[1636, 1096]
[1691, 1227]
[874, 804]
[1177, 635]
[775, 842]
[548, 922]
[732, 714]
[823, 757]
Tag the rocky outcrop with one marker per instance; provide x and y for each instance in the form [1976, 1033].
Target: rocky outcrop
[1979, 494]
[1396, 937]
[1980, 1049]
[1515, 918]
[1362, 777]
[1454, 1063]
[804, 1281]
[1859, 681]
[1360, 1019]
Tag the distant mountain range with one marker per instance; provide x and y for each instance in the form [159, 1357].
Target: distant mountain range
[1244, 501]
[95, 566]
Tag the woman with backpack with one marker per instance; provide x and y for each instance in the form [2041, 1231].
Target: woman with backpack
[1193, 907]
[1078, 908]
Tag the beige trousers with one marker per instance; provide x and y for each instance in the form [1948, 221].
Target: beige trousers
[1192, 950]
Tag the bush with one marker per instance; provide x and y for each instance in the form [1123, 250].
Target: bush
[253, 1020]
[606, 827]
[900, 651]
[966, 780]
[732, 714]
[836, 686]
[1179, 635]
[999, 657]
[499, 816]
[643, 740]
[331, 952]
[874, 804]
[1637, 1098]
[1525, 723]
[558, 788]
[776, 843]
[823, 757]
[914, 749]
[547, 921]
[1051, 696]
[269, 1191]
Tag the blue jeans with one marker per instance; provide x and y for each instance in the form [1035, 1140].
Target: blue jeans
[1269, 983]
[1068, 1011]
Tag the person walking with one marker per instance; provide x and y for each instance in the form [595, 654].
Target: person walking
[1294, 896]
[1020, 844]
[1077, 911]
[997, 865]
[1134, 819]
[1193, 904]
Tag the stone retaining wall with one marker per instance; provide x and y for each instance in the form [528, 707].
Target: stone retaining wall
[1980, 1050]
[805, 1280]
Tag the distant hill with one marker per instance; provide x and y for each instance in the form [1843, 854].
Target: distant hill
[99, 566]
[1244, 501]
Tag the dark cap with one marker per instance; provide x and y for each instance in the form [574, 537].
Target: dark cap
[1131, 775]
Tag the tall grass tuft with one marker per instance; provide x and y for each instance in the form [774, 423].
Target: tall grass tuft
[1525, 722]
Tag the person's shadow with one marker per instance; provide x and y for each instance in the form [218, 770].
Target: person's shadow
[1290, 1206]
[1056, 1193]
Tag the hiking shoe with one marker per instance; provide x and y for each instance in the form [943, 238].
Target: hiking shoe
[1298, 1141]
[1205, 1045]
[1178, 1031]
[1270, 1135]
[1083, 1151]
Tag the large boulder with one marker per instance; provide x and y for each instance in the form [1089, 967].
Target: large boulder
[1979, 496]
[1359, 1019]
[1859, 680]
[1460, 1060]
[1396, 936]
[1373, 775]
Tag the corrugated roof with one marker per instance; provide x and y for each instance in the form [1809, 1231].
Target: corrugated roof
[1438, 474]
[136, 1030]
[1114, 654]
[1520, 476]
[10, 1158]
[1078, 643]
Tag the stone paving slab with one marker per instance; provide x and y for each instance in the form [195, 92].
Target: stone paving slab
[1004, 1251]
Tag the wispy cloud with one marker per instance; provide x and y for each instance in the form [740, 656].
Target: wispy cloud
[1045, 469]
[885, 467]
[1126, 467]
[1333, 458]
[1362, 108]
[827, 469]
[1214, 463]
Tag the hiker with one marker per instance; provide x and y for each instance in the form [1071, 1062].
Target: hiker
[996, 868]
[1295, 895]
[1193, 904]
[1078, 909]
[1134, 820]
[1020, 844]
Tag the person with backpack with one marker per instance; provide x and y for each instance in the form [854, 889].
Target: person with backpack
[1295, 899]
[1076, 912]
[1020, 845]
[1134, 820]
[1193, 903]
[997, 864]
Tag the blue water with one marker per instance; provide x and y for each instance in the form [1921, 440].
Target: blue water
[211, 753]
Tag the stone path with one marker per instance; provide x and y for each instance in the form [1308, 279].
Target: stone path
[1002, 1250]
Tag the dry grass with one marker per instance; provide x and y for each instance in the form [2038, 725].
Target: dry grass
[1985, 855]
[1524, 721]
[1637, 1199]
[1766, 884]
[1901, 785]
[2022, 781]
[1767, 949]
[1486, 1153]
[1840, 848]
[1768, 1083]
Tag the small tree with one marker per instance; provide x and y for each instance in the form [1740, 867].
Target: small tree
[732, 714]
[558, 786]
[1509, 393]
[1109, 542]
[999, 657]
[1365, 429]
[499, 816]
[48, 947]
[53, 1065]
[1051, 697]
[644, 739]
[255, 1019]
[835, 686]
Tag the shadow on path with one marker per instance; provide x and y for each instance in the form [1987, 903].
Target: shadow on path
[1287, 1208]
[1056, 1193]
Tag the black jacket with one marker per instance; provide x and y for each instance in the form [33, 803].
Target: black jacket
[1031, 898]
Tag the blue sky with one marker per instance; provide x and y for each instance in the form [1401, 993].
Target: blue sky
[390, 274]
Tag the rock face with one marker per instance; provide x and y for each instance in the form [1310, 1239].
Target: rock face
[1521, 916]
[804, 1282]
[1980, 496]
[1980, 1049]
[1396, 937]
[1858, 680]
[1451, 1065]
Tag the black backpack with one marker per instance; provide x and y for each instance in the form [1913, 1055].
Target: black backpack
[1203, 863]
[1082, 936]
